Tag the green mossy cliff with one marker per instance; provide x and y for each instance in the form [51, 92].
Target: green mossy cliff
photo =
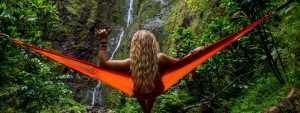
[76, 37]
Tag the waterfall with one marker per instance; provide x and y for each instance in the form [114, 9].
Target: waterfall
[129, 14]
[129, 20]
[118, 45]
[94, 92]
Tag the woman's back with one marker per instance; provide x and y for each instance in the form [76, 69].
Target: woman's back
[146, 63]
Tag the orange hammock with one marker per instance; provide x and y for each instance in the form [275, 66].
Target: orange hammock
[123, 82]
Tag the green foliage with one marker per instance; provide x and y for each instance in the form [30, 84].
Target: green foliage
[243, 57]
[185, 40]
[196, 5]
[266, 93]
[131, 106]
[29, 82]
[74, 106]
[229, 63]
[147, 9]
[172, 102]
[117, 17]
[115, 99]
[175, 18]
[169, 103]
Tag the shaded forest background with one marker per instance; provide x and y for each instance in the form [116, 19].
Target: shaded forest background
[238, 79]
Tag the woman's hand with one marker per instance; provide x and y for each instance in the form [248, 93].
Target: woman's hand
[103, 34]
[201, 48]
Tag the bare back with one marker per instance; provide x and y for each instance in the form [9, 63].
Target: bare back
[123, 65]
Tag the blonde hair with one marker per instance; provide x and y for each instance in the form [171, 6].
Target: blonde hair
[144, 62]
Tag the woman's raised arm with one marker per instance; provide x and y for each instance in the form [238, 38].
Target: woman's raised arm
[121, 65]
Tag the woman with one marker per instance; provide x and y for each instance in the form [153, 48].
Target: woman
[144, 64]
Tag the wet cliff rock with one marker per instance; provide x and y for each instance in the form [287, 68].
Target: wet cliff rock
[77, 39]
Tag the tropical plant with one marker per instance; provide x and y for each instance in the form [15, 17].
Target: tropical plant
[29, 82]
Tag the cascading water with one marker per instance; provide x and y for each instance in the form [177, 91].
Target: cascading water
[129, 20]
[130, 10]
[94, 93]
[118, 45]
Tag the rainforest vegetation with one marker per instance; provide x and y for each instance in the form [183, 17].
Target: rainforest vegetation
[259, 72]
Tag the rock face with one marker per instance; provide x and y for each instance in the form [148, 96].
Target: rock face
[77, 38]
[149, 15]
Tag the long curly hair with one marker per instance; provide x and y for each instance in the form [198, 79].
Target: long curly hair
[144, 62]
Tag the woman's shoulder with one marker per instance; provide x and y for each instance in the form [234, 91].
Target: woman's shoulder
[162, 56]
[165, 59]
[127, 60]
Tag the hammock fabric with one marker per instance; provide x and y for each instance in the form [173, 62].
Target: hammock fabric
[123, 82]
